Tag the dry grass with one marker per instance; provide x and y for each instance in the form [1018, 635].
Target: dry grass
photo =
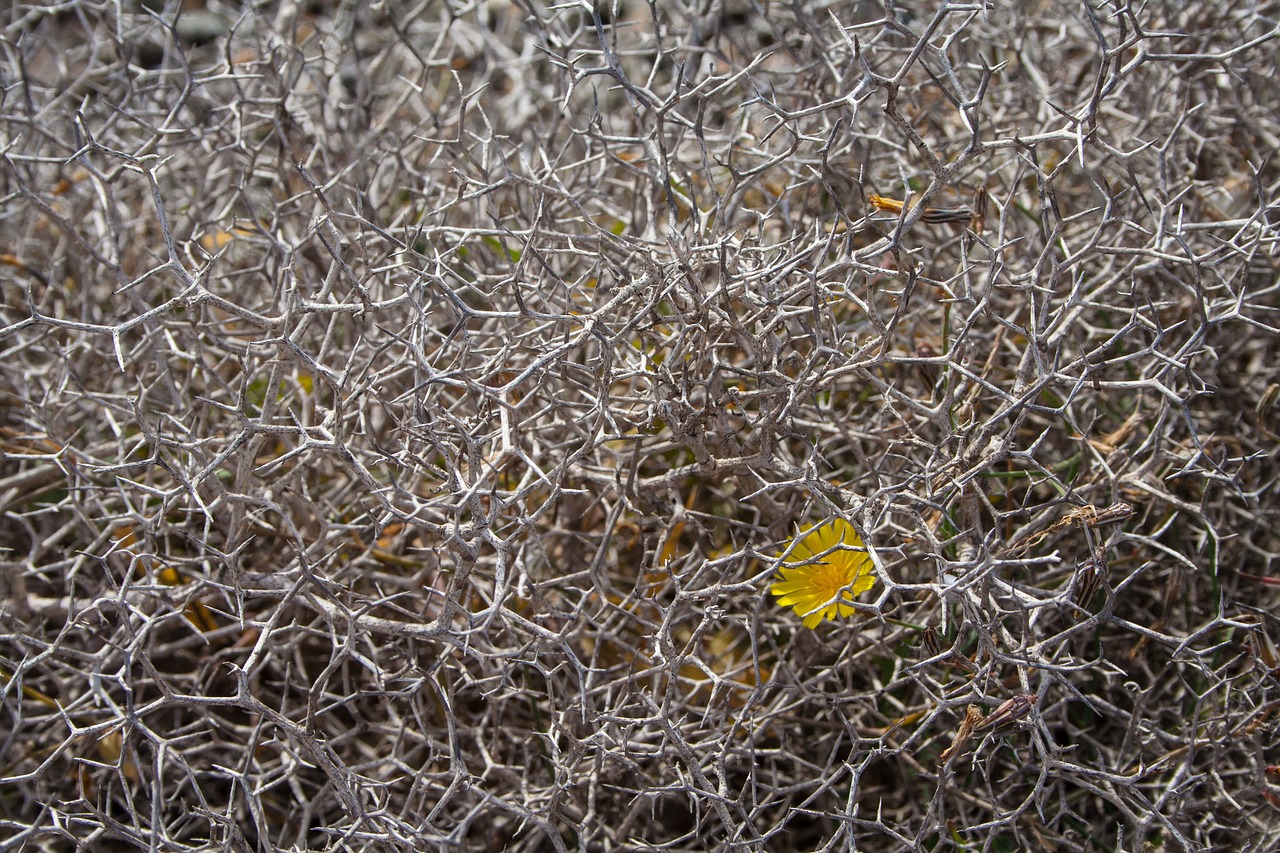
[404, 406]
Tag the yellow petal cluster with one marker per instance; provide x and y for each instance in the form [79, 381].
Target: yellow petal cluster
[828, 566]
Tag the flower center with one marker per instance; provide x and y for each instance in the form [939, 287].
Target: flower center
[828, 579]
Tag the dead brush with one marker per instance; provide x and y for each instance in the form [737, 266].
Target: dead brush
[406, 411]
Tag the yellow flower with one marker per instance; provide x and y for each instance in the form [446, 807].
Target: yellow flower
[828, 565]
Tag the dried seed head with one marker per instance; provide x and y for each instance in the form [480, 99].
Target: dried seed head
[1007, 717]
[972, 717]
[1268, 399]
[1088, 580]
[1118, 511]
[929, 642]
[1265, 649]
[978, 222]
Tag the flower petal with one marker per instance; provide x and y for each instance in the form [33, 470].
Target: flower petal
[825, 567]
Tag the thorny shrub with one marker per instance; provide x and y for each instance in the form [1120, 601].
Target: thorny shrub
[406, 408]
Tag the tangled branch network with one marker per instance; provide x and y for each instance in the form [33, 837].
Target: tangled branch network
[620, 425]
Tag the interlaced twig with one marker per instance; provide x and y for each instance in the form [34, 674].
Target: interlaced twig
[406, 409]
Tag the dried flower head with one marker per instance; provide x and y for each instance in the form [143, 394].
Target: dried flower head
[826, 567]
